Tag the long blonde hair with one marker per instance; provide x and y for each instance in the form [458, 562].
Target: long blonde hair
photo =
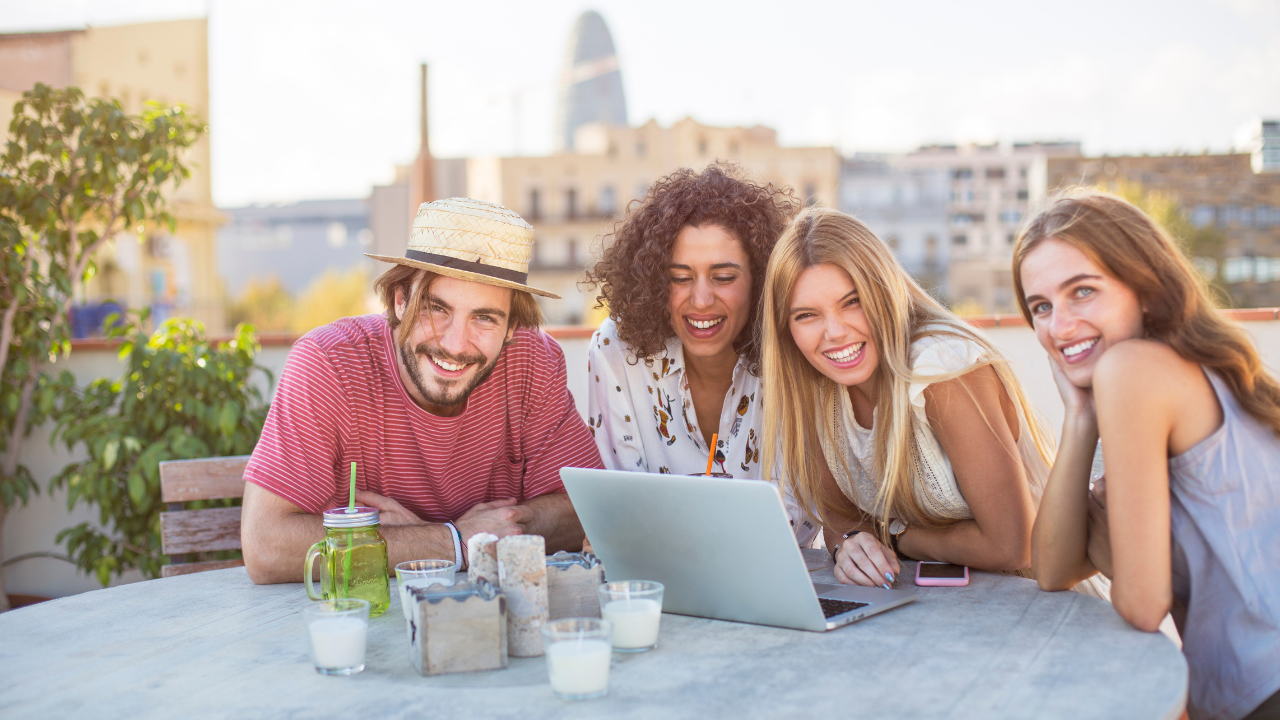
[1179, 311]
[899, 312]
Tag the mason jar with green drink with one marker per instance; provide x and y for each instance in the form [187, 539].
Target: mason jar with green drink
[355, 559]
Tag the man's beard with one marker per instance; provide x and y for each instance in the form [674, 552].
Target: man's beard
[443, 398]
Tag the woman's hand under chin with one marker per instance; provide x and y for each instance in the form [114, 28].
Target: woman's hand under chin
[1076, 401]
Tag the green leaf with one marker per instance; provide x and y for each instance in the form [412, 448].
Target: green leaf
[109, 454]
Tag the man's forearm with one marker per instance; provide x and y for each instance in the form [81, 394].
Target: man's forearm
[555, 520]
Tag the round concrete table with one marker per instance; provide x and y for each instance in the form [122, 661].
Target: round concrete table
[214, 644]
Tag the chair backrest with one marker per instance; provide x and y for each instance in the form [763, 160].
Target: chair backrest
[208, 530]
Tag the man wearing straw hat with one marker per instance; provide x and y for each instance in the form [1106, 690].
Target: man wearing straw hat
[453, 405]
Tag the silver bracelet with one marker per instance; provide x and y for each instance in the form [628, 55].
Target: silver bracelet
[457, 546]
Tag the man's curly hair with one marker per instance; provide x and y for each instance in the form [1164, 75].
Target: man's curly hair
[632, 274]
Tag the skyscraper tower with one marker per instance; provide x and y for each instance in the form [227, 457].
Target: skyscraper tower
[591, 83]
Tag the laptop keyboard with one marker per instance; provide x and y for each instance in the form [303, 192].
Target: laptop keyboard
[832, 608]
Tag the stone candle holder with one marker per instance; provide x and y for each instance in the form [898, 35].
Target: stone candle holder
[573, 580]
[456, 629]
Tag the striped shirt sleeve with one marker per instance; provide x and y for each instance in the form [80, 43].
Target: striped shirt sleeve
[554, 435]
[297, 455]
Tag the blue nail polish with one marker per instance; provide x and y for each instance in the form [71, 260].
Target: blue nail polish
[888, 576]
[886, 586]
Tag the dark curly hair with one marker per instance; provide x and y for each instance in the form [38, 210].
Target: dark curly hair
[632, 274]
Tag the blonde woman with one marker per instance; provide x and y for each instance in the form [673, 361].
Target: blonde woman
[1190, 425]
[900, 426]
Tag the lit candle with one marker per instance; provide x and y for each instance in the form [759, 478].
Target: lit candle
[579, 668]
[635, 622]
[338, 643]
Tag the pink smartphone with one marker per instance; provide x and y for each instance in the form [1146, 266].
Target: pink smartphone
[940, 574]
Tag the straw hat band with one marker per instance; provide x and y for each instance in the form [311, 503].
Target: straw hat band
[471, 240]
[468, 266]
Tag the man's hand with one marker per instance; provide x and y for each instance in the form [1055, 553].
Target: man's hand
[500, 517]
[391, 511]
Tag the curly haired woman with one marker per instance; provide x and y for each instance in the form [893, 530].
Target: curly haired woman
[676, 363]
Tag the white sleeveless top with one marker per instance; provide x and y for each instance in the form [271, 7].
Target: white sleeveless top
[938, 494]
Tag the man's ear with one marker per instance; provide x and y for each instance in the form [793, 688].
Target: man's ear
[400, 303]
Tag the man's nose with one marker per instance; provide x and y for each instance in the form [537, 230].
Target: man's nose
[452, 337]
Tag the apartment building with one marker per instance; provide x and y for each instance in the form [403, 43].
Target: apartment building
[1223, 192]
[573, 199]
[172, 273]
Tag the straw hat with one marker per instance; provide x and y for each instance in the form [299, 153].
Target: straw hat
[471, 240]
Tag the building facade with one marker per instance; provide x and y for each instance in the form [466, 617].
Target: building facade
[172, 273]
[908, 208]
[988, 191]
[590, 83]
[1215, 191]
[573, 199]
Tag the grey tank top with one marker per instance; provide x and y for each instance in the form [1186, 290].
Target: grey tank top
[1225, 496]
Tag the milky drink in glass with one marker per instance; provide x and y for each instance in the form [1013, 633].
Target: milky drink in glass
[354, 559]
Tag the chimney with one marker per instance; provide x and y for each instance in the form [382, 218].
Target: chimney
[423, 180]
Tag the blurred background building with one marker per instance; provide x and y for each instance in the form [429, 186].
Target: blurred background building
[171, 273]
[591, 81]
[1233, 209]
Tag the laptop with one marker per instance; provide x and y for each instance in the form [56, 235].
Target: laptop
[723, 548]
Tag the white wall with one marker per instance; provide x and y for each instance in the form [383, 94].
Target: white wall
[32, 528]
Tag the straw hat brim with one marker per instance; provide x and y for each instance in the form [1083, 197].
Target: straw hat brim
[463, 274]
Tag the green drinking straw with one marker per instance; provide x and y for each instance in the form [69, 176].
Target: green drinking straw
[346, 563]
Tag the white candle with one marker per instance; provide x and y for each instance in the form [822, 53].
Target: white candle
[338, 642]
[579, 667]
[635, 622]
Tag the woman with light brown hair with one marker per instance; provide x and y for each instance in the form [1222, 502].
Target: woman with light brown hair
[1188, 518]
[901, 426]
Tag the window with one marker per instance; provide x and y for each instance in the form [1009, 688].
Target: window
[959, 239]
[1203, 215]
[1010, 217]
[995, 173]
[535, 211]
[931, 249]
[702, 146]
[571, 252]
[571, 204]
[1022, 195]
[608, 204]
[1010, 238]
[962, 174]
[1022, 172]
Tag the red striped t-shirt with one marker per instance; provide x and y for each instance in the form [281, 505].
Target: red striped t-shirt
[340, 400]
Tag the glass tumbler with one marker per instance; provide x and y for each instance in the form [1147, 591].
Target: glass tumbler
[635, 609]
[578, 654]
[421, 574]
[338, 630]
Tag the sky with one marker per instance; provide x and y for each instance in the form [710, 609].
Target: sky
[319, 98]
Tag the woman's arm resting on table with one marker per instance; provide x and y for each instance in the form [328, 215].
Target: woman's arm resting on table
[1140, 389]
[975, 423]
[861, 559]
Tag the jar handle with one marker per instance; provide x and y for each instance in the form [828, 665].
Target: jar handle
[308, 571]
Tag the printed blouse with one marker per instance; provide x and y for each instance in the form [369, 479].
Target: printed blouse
[641, 413]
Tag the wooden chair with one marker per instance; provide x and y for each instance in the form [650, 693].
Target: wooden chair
[208, 530]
